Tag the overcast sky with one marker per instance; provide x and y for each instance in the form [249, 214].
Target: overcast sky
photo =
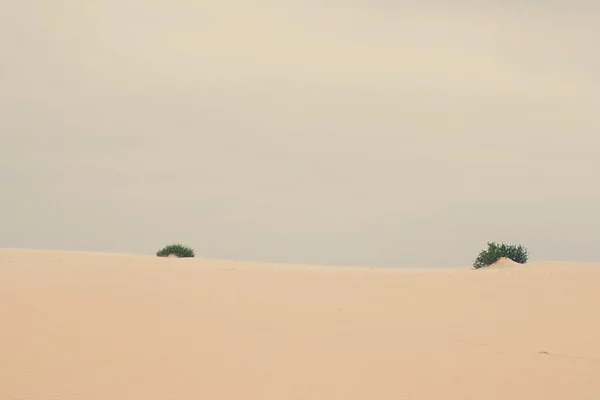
[324, 132]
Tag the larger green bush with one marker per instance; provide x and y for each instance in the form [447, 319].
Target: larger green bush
[496, 251]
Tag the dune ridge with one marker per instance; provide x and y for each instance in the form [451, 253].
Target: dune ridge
[98, 326]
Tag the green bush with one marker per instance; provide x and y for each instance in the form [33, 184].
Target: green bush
[176, 250]
[496, 251]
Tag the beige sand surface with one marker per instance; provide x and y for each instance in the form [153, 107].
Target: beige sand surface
[93, 326]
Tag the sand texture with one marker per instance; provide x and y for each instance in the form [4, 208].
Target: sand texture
[110, 327]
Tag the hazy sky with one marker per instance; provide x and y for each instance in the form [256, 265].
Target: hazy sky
[328, 132]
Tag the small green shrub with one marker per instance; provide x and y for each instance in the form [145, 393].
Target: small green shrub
[496, 251]
[176, 250]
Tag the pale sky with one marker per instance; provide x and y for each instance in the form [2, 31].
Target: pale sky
[322, 132]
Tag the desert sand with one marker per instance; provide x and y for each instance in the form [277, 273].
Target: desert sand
[99, 326]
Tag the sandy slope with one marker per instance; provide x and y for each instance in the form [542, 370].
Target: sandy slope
[92, 326]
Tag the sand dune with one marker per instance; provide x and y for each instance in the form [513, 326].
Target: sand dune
[505, 263]
[95, 326]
